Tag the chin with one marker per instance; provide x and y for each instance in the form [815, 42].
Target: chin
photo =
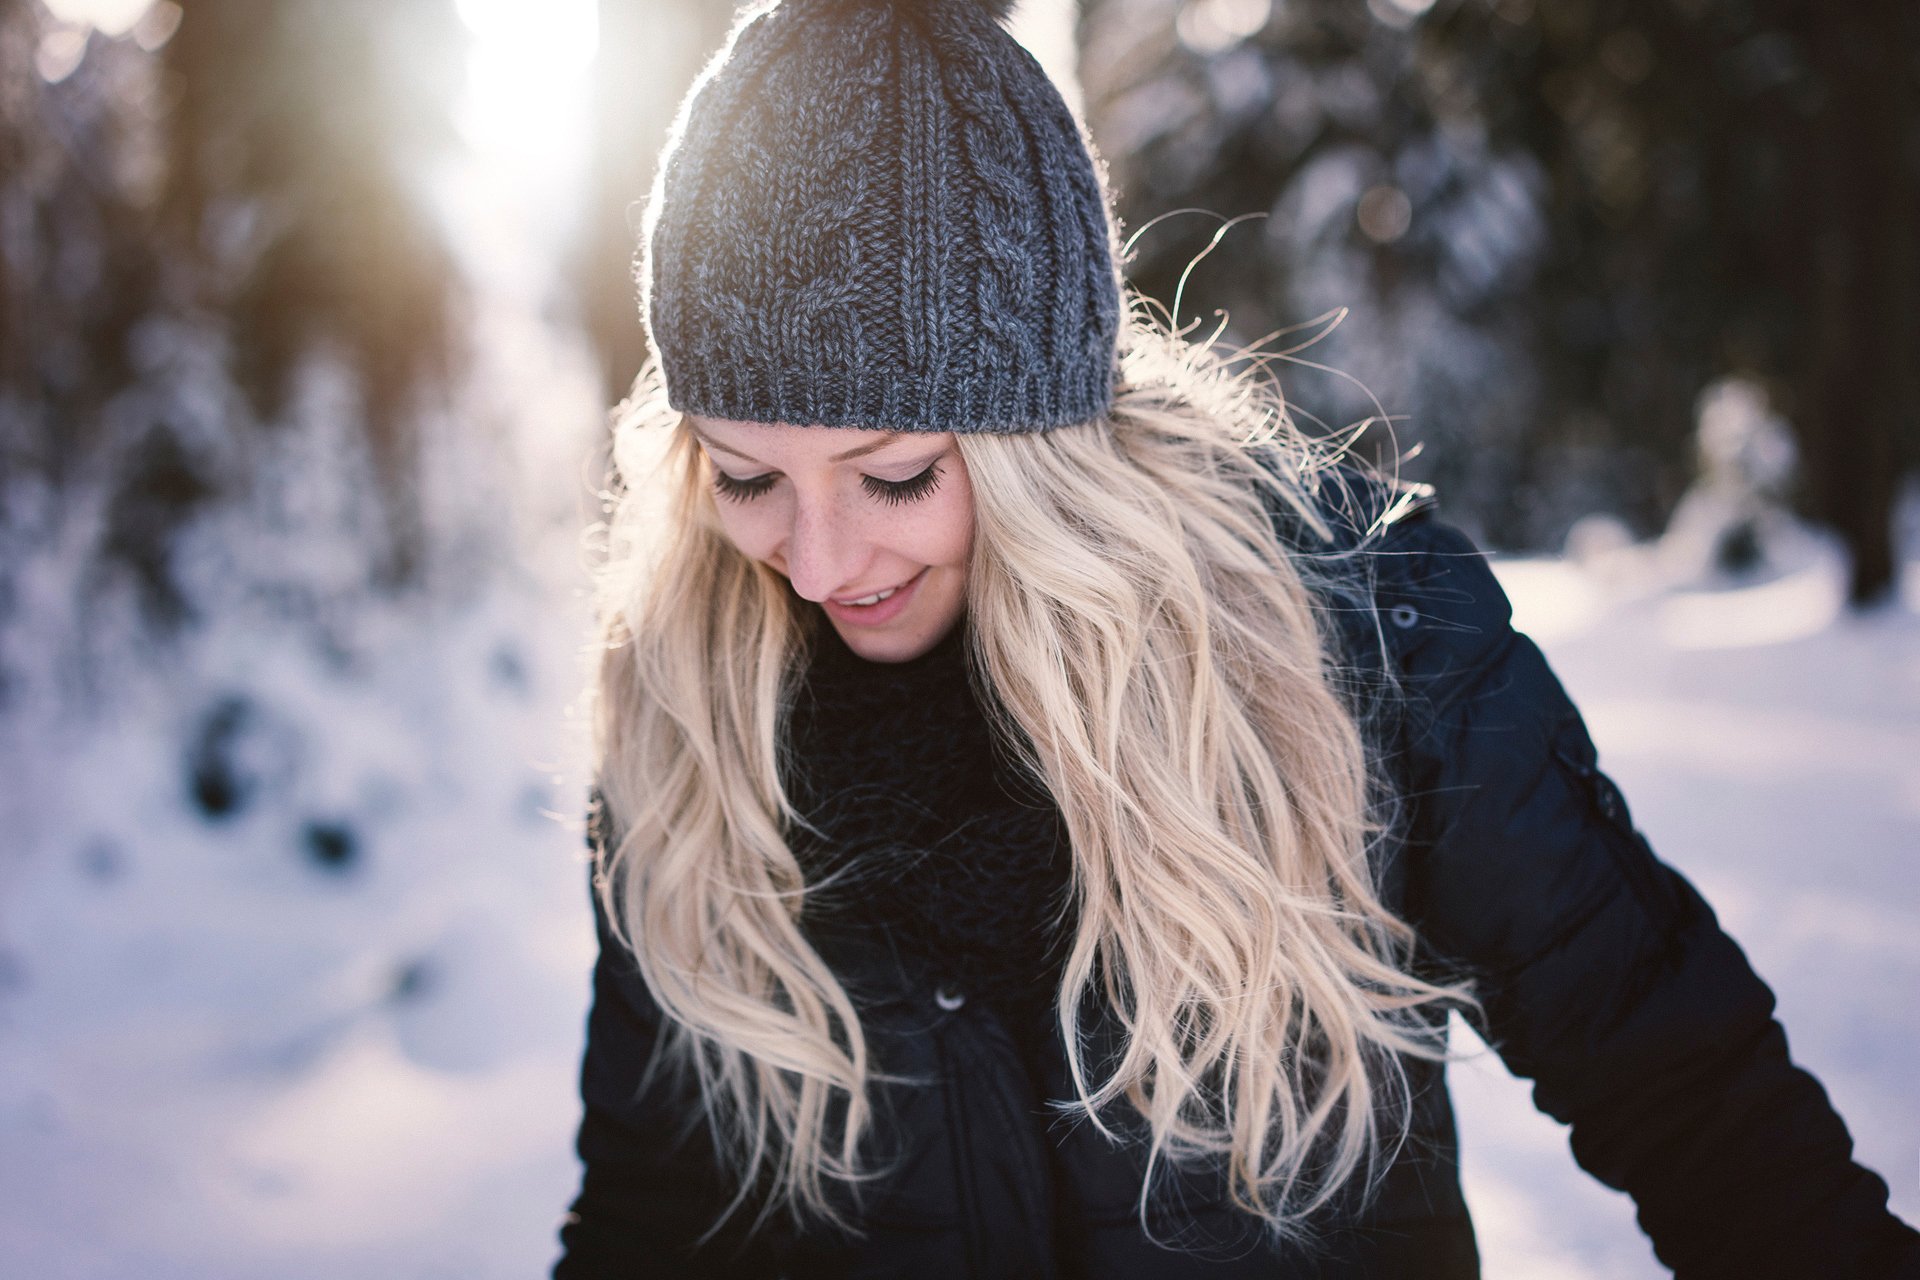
[886, 647]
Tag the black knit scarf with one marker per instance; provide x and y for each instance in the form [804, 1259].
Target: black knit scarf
[927, 837]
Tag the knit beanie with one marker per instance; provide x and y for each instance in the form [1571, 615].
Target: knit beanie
[881, 213]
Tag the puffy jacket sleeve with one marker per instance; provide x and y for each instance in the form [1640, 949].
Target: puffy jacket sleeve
[651, 1183]
[1603, 975]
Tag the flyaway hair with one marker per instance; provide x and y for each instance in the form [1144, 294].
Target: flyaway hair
[882, 214]
[1150, 647]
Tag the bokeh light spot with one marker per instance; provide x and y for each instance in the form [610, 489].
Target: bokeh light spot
[1211, 26]
[527, 77]
[109, 17]
[1384, 214]
[60, 53]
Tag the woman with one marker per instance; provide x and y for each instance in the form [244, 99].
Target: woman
[1047, 809]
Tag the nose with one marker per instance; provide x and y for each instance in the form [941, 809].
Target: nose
[824, 551]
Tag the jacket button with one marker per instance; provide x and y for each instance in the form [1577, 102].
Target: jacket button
[1609, 801]
[1404, 616]
[949, 999]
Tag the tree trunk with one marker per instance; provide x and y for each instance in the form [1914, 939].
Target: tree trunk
[1858, 404]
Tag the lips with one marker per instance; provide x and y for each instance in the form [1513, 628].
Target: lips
[873, 599]
[875, 607]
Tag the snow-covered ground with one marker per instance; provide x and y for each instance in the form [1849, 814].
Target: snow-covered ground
[333, 1033]
[1769, 746]
[292, 907]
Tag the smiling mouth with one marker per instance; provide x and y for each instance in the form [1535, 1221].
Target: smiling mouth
[878, 596]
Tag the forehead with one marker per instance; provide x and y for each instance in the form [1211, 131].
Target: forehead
[763, 441]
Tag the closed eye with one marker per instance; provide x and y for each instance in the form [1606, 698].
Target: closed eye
[891, 492]
[894, 492]
[742, 490]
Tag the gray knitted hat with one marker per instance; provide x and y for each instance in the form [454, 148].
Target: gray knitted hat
[881, 213]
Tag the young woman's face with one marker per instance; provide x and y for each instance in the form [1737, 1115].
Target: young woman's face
[849, 514]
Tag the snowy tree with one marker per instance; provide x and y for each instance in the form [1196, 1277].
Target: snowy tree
[289, 933]
[1553, 225]
[200, 213]
[649, 53]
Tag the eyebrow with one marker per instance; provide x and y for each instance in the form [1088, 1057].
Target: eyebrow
[857, 451]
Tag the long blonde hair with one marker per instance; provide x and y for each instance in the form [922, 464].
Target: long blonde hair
[1152, 651]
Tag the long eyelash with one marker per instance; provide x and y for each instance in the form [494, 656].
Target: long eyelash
[894, 492]
[740, 490]
[891, 492]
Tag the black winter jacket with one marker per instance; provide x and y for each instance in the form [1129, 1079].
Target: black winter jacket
[1602, 975]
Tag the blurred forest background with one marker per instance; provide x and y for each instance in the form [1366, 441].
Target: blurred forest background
[310, 312]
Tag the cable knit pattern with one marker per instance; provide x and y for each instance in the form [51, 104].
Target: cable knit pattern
[928, 840]
[881, 213]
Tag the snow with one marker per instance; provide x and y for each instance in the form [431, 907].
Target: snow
[237, 1045]
[228, 1047]
[293, 905]
[1769, 745]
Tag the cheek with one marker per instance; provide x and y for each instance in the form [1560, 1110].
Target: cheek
[955, 527]
[939, 534]
[957, 541]
[748, 528]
